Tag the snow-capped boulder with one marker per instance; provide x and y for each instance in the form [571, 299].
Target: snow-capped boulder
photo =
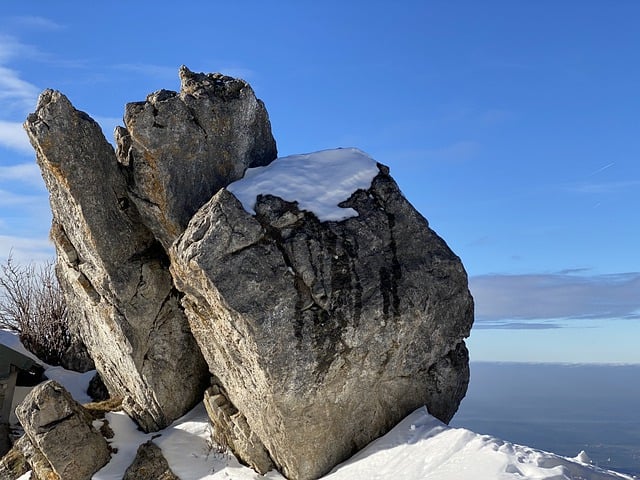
[59, 428]
[326, 319]
[114, 272]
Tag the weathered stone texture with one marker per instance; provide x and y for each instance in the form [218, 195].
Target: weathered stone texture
[180, 148]
[149, 464]
[59, 428]
[232, 431]
[320, 335]
[114, 272]
[324, 335]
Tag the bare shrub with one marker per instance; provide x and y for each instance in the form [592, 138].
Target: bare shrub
[32, 303]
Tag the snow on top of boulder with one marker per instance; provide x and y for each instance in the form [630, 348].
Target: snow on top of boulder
[317, 181]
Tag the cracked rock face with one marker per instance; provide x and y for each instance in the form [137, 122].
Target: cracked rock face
[113, 270]
[325, 334]
[60, 429]
[179, 148]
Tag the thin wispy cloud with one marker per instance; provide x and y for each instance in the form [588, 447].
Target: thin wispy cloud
[605, 187]
[11, 47]
[555, 296]
[602, 169]
[516, 326]
[36, 22]
[16, 95]
[10, 199]
[13, 136]
[25, 249]
[27, 173]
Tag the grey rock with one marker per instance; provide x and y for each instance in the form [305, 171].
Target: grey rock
[59, 428]
[325, 334]
[33, 459]
[180, 148]
[230, 430]
[149, 464]
[113, 270]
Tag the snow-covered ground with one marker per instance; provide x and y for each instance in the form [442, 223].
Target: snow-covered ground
[419, 447]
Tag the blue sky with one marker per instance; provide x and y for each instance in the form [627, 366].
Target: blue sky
[513, 126]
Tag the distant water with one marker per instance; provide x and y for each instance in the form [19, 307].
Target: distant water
[559, 408]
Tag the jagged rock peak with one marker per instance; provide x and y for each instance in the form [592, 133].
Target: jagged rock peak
[179, 149]
[210, 84]
[113, 271]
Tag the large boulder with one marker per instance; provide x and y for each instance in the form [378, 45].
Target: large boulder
[179, 148]
[113, 270]
[324, 330]
[61, 430]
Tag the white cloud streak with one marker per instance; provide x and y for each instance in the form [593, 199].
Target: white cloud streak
[23, 249]
[37, 22]
[555, 296]
[28, 173]
[16, 94]
[12, 199]
[13, 136]
[605, 187]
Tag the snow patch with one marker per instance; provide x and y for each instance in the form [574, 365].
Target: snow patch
[76, 383]
[318, 181]
[420, 446]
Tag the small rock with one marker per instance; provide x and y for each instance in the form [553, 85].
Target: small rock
[59, 428]
[149, 464]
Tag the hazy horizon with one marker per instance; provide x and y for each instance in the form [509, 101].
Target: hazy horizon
[558, 408]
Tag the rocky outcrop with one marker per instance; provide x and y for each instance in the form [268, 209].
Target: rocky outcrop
[325, 334]
[113, 270]
[320, 332]
[179, 148]
[59, 428]
[112, 219]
